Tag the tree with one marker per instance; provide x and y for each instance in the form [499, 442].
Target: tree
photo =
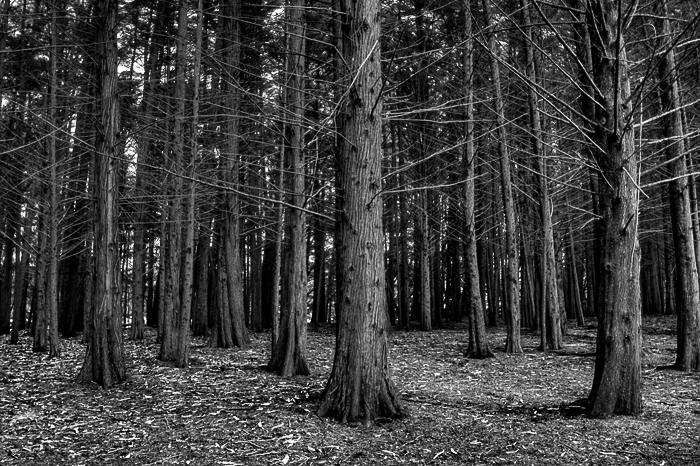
[687, 286]
[478, 342]
[617, 376]
[360, 387]
[512, 271]
[230, 223]
[52, 210]
[289, 354]
[550, 325]
[104, 361]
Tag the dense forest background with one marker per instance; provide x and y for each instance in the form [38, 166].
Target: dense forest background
[207, 168]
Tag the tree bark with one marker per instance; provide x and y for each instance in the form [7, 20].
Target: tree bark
[231, 215]
[617, 376]
[478, 346]
[550, 301]
[687, 286]
[512, 305]
[289, 355]
[104, 362]
[360, 387]
[53, 208]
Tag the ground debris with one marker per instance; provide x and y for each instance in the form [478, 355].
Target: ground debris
[226, 409]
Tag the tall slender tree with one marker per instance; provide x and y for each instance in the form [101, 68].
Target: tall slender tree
[289, 354]
[512, 258]
[478, 346]
[687, 286]
[230, 239]
[104, 360]
[550, 325]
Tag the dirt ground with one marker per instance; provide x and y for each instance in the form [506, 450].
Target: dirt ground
[226, 410]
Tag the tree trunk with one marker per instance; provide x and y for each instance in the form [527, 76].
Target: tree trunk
[360, 387]
[550, 300]
[104, 362]
[575, 291]
[687, 286]
[289, 354]
[40, 316]
[478, 341]
[183, 338]
[53, 209]
[512, 307]
[11, 233]
[231, 216]
[617, 377]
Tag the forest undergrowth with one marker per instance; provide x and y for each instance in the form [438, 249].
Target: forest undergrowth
[226, 409]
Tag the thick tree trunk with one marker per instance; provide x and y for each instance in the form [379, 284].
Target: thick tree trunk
[687, 286]
[617, 377]
[360, 387]
[104, 362]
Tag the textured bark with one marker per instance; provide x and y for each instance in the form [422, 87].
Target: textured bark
[423, 278]
[12, 211]
[289, 354]
[617, 376]
[231, 214]
[687, 286]
[478, 346]
[53, 208]
[360, 387]
[178, 281]
[512, 305]
[104, 362]
[575, 291]
[187, 271]
[319, 305]
[200, 310]
[550, 300]
[404, 269]
[40, 317]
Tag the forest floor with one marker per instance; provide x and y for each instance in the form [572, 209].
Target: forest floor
[226, 410]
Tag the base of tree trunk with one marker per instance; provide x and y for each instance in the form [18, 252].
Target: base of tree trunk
[348, 404]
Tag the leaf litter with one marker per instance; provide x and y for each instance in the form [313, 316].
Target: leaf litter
[227, 410]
